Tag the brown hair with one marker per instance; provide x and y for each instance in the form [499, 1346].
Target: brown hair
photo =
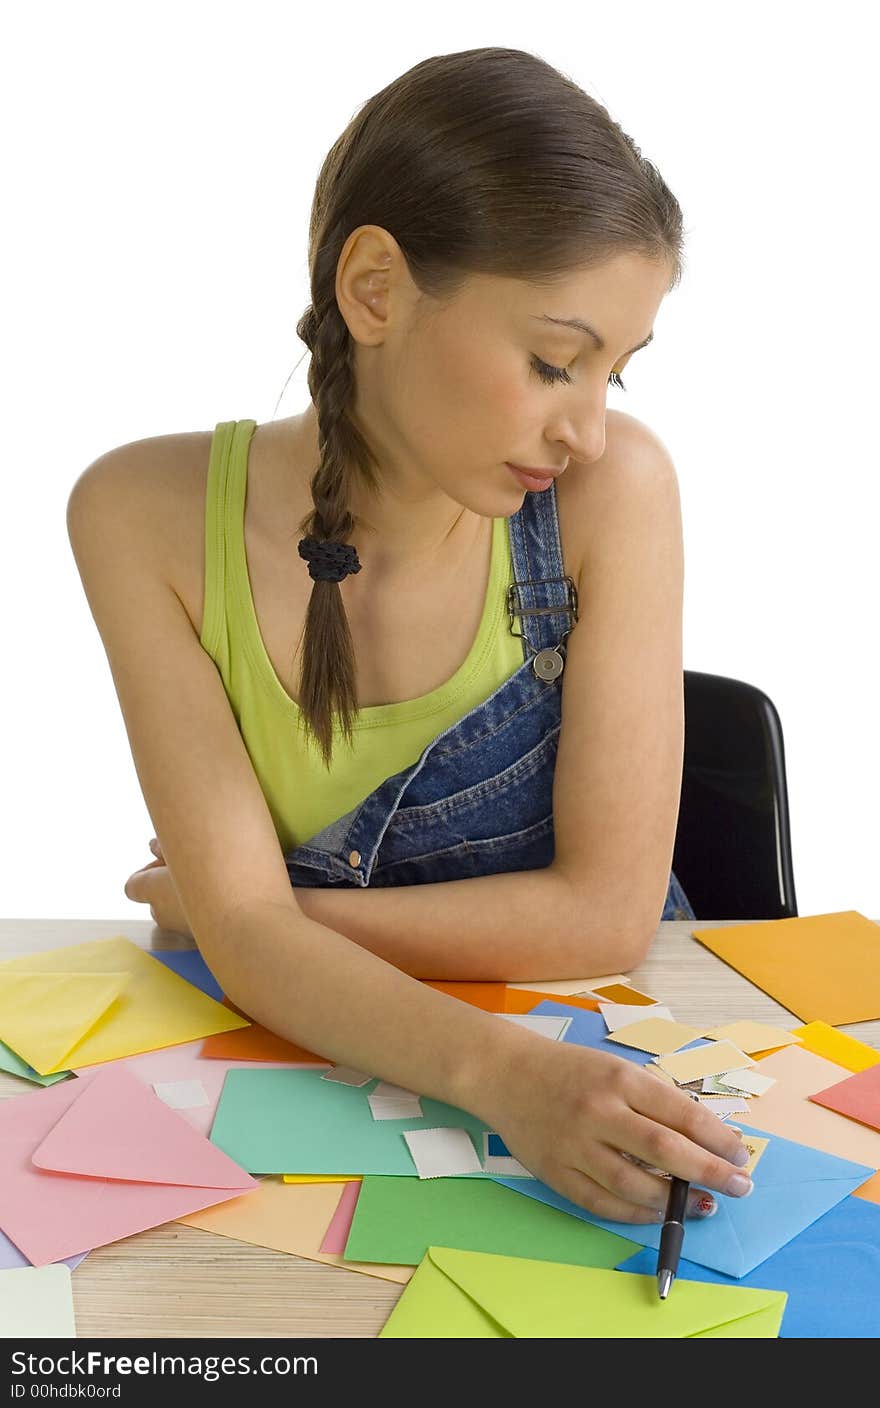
[487, 161]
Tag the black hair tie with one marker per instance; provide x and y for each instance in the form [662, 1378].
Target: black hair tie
[328, 561]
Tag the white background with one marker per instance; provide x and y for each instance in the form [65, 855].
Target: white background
[160, 161]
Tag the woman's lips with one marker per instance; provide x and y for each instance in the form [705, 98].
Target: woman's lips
[532, 482]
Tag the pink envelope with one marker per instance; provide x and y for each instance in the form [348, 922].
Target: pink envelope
[858, 1097]
[92, 1160]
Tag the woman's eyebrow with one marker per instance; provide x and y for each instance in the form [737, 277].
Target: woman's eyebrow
[585, 327]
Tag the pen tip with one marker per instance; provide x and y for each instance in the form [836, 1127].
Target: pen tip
[664, 1281]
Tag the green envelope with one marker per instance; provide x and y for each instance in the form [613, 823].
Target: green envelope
[12, 1063]
[397, 1219]
[473, 1295]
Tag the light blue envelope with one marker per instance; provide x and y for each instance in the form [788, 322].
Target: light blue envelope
[793, 1186]
[831, 1272]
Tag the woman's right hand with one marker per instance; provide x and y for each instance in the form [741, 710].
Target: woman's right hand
[570, 1114]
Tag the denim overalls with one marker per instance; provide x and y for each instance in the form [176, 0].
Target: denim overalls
[479, 799]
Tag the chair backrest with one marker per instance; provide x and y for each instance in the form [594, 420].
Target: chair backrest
[733, 843]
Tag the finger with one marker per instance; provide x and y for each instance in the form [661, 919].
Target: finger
[626, 1178]
[675, 1108]
[679, 1155]
[589, 1193]
[139, 886]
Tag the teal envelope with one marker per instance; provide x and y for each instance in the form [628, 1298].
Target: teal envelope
[793, 1185]
[285, 1121]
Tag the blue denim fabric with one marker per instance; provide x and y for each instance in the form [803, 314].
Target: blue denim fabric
[479, 799]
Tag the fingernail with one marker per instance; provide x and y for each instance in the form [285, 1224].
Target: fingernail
[741, 1156]
[740, 1185]
[705, 1206]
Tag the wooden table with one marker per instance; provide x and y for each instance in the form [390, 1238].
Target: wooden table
[178, 1282]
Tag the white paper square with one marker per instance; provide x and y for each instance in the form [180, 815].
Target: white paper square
[346, 1075]
[752, 1081]
[408, 1109]
[503, 1164]
[181, 1094]
[386, 1091]
[442, 1153]
[544, 1024]
[621, 1014]
[724, 1105]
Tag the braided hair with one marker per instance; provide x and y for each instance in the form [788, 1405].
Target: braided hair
[486, 161]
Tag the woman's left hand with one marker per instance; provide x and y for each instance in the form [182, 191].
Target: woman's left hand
[154, 886]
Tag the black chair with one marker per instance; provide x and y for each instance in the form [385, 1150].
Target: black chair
[733, 843]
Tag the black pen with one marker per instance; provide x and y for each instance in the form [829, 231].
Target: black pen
[672, 1236]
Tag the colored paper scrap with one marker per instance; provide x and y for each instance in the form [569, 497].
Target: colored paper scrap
[497, 1158]
[458, 1294]
[442, 1153]
[155, 1008]
[747, 1082]
[564, 987]
[182, 1094]
[709, 1060]
[753, 1036]
[347, 1075]
[624, 993]
[552, 1027]
[656, 1035]
[822, 967]
[623, 1014]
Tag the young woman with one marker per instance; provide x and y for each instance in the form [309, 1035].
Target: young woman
[402, 674]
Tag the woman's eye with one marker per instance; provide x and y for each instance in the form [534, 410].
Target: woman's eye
[550, 374]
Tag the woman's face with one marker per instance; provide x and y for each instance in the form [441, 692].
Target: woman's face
[450, 393]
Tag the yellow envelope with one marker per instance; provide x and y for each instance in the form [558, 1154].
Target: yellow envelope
[156, 1008]
[459, 1294]
[656, 1035]
[44, 1015]
[322, 1177]
[786, 1109]
[836, 1046]
[289, 1218]
[822, 967]
[753, 1036]
[711, 1060]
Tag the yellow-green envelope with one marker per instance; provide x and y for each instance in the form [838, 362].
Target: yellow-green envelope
[154, 1008]
[477, 1295]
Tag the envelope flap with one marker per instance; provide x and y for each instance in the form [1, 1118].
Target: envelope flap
[547, 1300]
[784, 1163]
[44, 1015]
[118, 1128]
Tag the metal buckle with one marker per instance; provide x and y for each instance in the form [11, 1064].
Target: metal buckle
[514, 610]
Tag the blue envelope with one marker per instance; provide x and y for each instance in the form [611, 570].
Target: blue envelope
[831, 1272]
[793, 1186]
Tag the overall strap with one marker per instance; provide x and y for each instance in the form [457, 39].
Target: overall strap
[542, 602]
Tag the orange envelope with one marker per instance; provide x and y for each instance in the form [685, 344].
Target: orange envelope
[858, 1097]
[821, 967]
[521, 1000]
[256, 1043]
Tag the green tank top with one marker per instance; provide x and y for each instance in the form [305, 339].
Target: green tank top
[302, 796]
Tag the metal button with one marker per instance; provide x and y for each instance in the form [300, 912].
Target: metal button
[354, 857]
[548, 664]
